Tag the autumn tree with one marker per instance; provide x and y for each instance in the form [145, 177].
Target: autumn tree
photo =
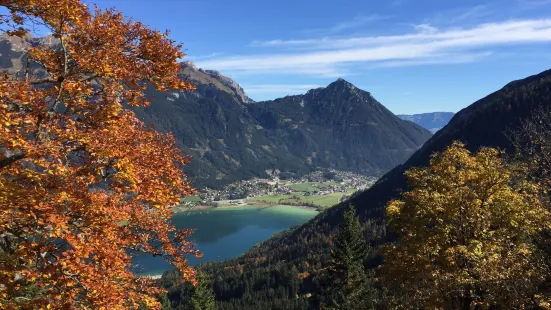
[532, 146]
[466, 230]
[348, 282]
[84, 185]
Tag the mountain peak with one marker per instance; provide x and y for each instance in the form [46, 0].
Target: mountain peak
[340, 82]
[343, 86]
[214, 78]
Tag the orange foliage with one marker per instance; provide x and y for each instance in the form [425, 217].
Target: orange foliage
[303, 275]
[83, 184]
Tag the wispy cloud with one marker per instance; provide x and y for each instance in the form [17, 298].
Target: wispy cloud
[356, 22]
[397, 2]
[424, 45]
[475, 12]
[208, 56]
[465, 15]
[442, 59]
[425, 28]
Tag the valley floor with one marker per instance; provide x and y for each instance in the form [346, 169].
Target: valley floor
[240, 204]
[286, 202]
[312, 192]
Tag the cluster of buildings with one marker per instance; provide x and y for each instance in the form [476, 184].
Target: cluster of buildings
[334, 181]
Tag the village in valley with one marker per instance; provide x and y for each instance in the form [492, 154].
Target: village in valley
[318, 190]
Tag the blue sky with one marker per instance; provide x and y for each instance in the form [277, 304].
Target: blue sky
[413, 55]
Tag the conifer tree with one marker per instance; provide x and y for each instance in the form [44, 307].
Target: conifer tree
[348, 288]
[165, 302]
[202, 296]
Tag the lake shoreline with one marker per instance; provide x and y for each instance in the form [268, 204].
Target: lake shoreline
[239, 206]
[226, 232]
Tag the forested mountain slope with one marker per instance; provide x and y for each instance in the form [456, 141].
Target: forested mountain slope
[212, 124]
[340, 127]
[232, 137]
[251, 280]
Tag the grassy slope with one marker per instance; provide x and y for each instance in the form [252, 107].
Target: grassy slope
[324, 201]
[192, 198]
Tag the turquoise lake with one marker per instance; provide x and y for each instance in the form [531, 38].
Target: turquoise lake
[226, 233]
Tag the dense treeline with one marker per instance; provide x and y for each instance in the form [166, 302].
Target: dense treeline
[338, 127]
[471, 232]
[347, 285]
[276, 279]
[84, 185]
[214, 127]
[307, 247]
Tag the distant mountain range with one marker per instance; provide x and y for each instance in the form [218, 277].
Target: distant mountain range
[231, 137]
[486, 122]
[431, 121]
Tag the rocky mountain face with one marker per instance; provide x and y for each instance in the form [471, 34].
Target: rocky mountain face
[231, 137]
[340, 127]
[431, 121]
[12, 51]
[213, 125]
[487, 122]
[13, 56]
[191, 73]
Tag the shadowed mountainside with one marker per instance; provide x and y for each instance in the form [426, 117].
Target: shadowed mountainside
[305, 248]
[232, 138]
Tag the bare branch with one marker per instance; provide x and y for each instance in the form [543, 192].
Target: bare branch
[91, 77]
[65, 54]
[11, 159]
[42, 81]
[27, 63]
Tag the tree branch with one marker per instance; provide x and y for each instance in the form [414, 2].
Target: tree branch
[65, 54]
[10, 160]
[42, 81]
[91, 77]
[27, 63]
